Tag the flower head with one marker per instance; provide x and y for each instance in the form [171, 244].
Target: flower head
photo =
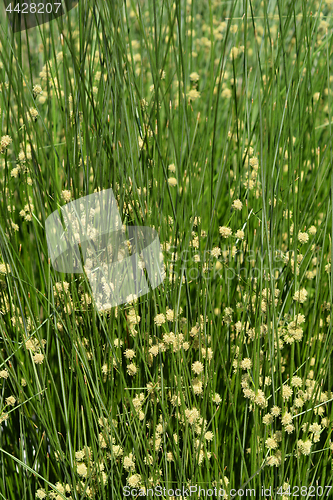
[225, 231]
[32, 114]
[172, 181]
[66, 195]
[303, 237]
[4, 269]
[240, 234]
[159, 319]
[216, 252]
[82, 469]
[237, 204]
[197, 367]
[301, 295]
[193, 94]
[4, 143]
[194, 77]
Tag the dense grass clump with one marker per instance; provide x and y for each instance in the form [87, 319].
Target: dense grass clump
[212, 124]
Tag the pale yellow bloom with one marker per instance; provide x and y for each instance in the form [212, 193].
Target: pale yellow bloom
[4, 374]
[239, 234]
[4, 269]
[3, 417]
[300, 295]
[82, 469]
[15, 171]
[38, 358]
[134, 480]
[246, 364]
[129, 462]
[32, 114]
[129, 353]
[275, 411]
[267, 419]
[10, 401]
[197, 367]
[271, 443]
[37, 90]
[303, 237]
[286, 392]
[209, 436]
[4, 143]
[131, 369]
[66, 195]
[159, 319]
[194, 77]
[193, 94]
[172, 181]
[40, 494]
[304, 446]
[216, 252]
[225, 231]
[237, 204]
[217, 398]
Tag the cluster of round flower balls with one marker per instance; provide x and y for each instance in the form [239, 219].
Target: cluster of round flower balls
[5, 141]
[303, 237]
[160, 319]
[225, 231]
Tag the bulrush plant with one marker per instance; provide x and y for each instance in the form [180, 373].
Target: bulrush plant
[212, 125]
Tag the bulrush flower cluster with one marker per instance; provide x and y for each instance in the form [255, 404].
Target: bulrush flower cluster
[224, 367]
[5, 141]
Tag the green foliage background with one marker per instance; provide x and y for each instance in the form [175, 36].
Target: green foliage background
[120, 104]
